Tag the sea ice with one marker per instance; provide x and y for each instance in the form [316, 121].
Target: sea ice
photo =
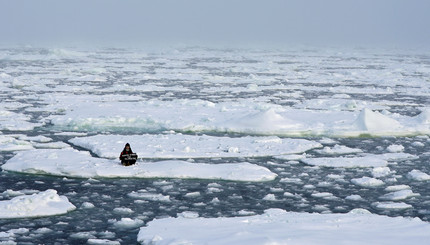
[367, 182]
[44, 203]
[86, 113]
[127, 223]
[277, 226]
[346, 162]
[395, 148]
[391, 205]
[73, 163]
[418, 175]
[338, 150]
[381, 172]
[102, 241]
[15, 121]
[189, 146]
[9, 143]
[399, 195]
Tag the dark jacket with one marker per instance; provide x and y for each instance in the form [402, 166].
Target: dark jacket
[125, 152]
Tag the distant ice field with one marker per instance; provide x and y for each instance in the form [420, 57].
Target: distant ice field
[224, 135]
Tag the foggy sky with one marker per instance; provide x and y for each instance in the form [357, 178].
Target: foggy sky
[204, 21]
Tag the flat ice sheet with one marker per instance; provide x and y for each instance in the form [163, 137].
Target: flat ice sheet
[73, 163]
[187, 146]
[277, 226]
[40, 204]
[245, 116]
[369, 160]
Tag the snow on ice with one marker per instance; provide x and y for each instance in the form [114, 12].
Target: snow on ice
[277, 226]
[244, 116]
[73, 163]
[40, 204]
[187, 146]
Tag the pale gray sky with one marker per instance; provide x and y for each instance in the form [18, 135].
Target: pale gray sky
[239, 21]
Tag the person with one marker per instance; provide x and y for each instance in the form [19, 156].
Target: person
[127, 156]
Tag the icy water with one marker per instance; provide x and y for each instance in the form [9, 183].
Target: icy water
[391, 80]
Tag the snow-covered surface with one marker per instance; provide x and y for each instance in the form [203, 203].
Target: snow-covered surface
[40, 204]
[338, 150]
[187, 146]
[73, 163]
[244, 116]
[368, 160]
[9, 143]
[418, 175]
[346, 162]
[399, 195]
[367, 182]
[276, 226]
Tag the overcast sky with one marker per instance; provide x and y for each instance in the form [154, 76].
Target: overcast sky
[204, 21]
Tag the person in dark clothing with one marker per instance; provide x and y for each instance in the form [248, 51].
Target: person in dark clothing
[127, 156]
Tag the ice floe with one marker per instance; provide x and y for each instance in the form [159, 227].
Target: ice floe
[40, 204]
[73, 163]
[391, 205]
[15, 121]
[9, 143]
[346, 162]
[368, 160]
[418, 175]
[338, 150]
[188, 146]
[276, 226]
[245, 116]
[399, 195]
[367, 182]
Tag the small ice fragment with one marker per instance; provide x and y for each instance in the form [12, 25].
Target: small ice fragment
[354, 198]
[367, 182]
[395, 148]
[418, 175]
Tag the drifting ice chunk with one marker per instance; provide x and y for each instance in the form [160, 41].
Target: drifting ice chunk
[399, 195]
[367, 182]
[44, 203]
[73, 163]
[8, 143]
[395, 148]
[276, 226]
[381, 172]
[391, 205]
[338, 150]
[346, 162]
[418, 175]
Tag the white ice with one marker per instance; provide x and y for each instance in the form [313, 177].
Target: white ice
[418, 175]
[399, 195]
[40, 204]
[338, 150]
[188, 146]
[73, 163]
[277, 226]
[10, 120]
[243, 116]
[9, 143]
[367, 182]
[368, 160]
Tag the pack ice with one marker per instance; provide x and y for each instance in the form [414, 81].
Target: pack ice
[73, 163]
[44, 203]
[277, 226]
